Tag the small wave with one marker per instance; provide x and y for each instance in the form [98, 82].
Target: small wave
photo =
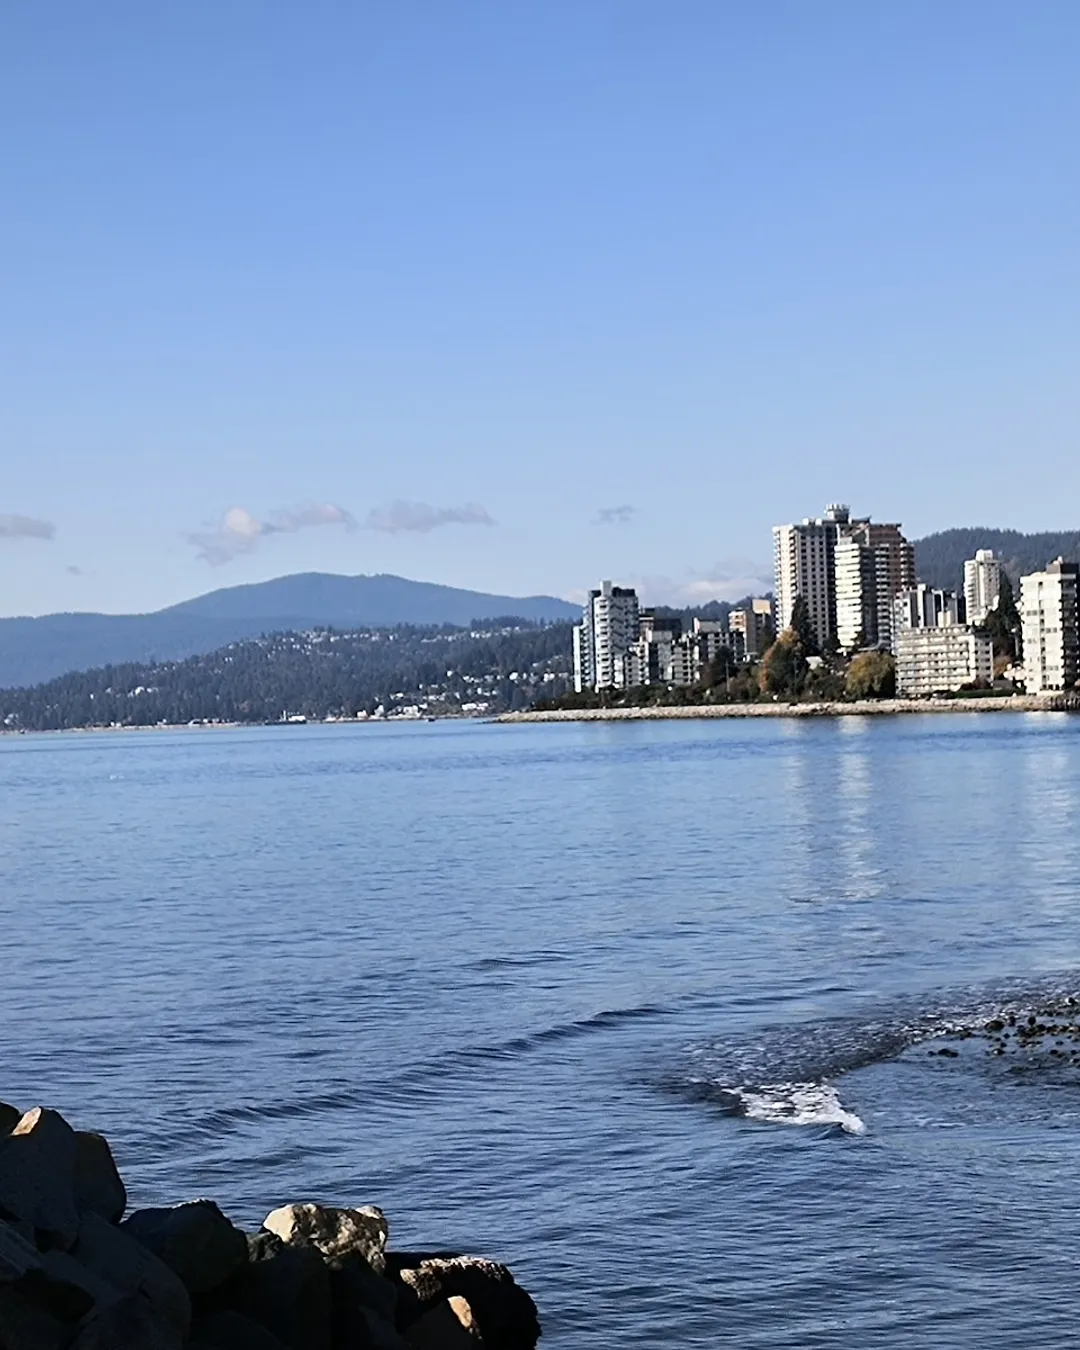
[797, 1104]
[423, 1081]
[784, 1073]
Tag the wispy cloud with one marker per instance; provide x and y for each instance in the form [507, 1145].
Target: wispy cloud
[240, 532]
[420, 518]
[74, 571]
[615, 515]
[728, 579]
[25, 527]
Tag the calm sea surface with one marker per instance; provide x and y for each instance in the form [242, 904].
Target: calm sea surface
[652, 1012]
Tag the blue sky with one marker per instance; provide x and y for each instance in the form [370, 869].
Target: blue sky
[519, 295]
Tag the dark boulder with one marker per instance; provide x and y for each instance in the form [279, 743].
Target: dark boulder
[98, 1186]
[364, 1304]
[9, 1118]
[229, 1330]
[127, 1324]
[195, 1240]
[289, 1294]
[131, 1268]
[504, 1313]
[449, 1325]
[37, 1167]
[26, 1326]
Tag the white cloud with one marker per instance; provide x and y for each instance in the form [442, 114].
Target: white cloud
[239, 531]
[728, 579]
[25, 527]
[420, 518]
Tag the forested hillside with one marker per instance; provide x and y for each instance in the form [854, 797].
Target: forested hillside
[402, 671]
[939, 558]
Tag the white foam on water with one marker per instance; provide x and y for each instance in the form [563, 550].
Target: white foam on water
[797, 1104]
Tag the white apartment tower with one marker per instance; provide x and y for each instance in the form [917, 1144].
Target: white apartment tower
[603, 639]
[804, 564]
[1048, 614]
[982, 584]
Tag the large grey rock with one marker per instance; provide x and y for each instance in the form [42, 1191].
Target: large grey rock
[127, 1324]
[98, 1186]
[37, 1166]
[504, 1313]
[229, 1330]
[335, 1232]
[288, 1294]
[195, 1240]
[9, 1118]
[449, 1325]
[131, 1268]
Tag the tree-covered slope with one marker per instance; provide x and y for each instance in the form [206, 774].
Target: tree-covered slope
[317, 674]
[939, 558]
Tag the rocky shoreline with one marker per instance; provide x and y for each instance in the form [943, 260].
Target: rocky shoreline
[77, 1274]
[884, 707]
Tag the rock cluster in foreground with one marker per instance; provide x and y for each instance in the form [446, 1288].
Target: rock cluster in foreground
[75, 1274]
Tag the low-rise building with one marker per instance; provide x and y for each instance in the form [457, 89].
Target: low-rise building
[942, 659]
[935, 652]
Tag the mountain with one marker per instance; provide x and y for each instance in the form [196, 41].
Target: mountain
[35, 650]
[939, 558]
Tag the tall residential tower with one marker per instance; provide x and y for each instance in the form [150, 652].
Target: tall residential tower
[603, 639]
[1048, 613]
[982, 584]
[804, 564]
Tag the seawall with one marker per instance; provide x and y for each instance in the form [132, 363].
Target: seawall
[885, 707]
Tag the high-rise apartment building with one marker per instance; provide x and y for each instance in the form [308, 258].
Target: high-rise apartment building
[804, 565]
[857, 585]
[982, 584]
[849, 572]
[603, 639]
[1049, 620]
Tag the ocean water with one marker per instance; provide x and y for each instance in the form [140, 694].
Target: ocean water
[653, 1012]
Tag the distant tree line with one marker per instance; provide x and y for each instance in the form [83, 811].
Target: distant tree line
[940, 558]
[325, 673]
